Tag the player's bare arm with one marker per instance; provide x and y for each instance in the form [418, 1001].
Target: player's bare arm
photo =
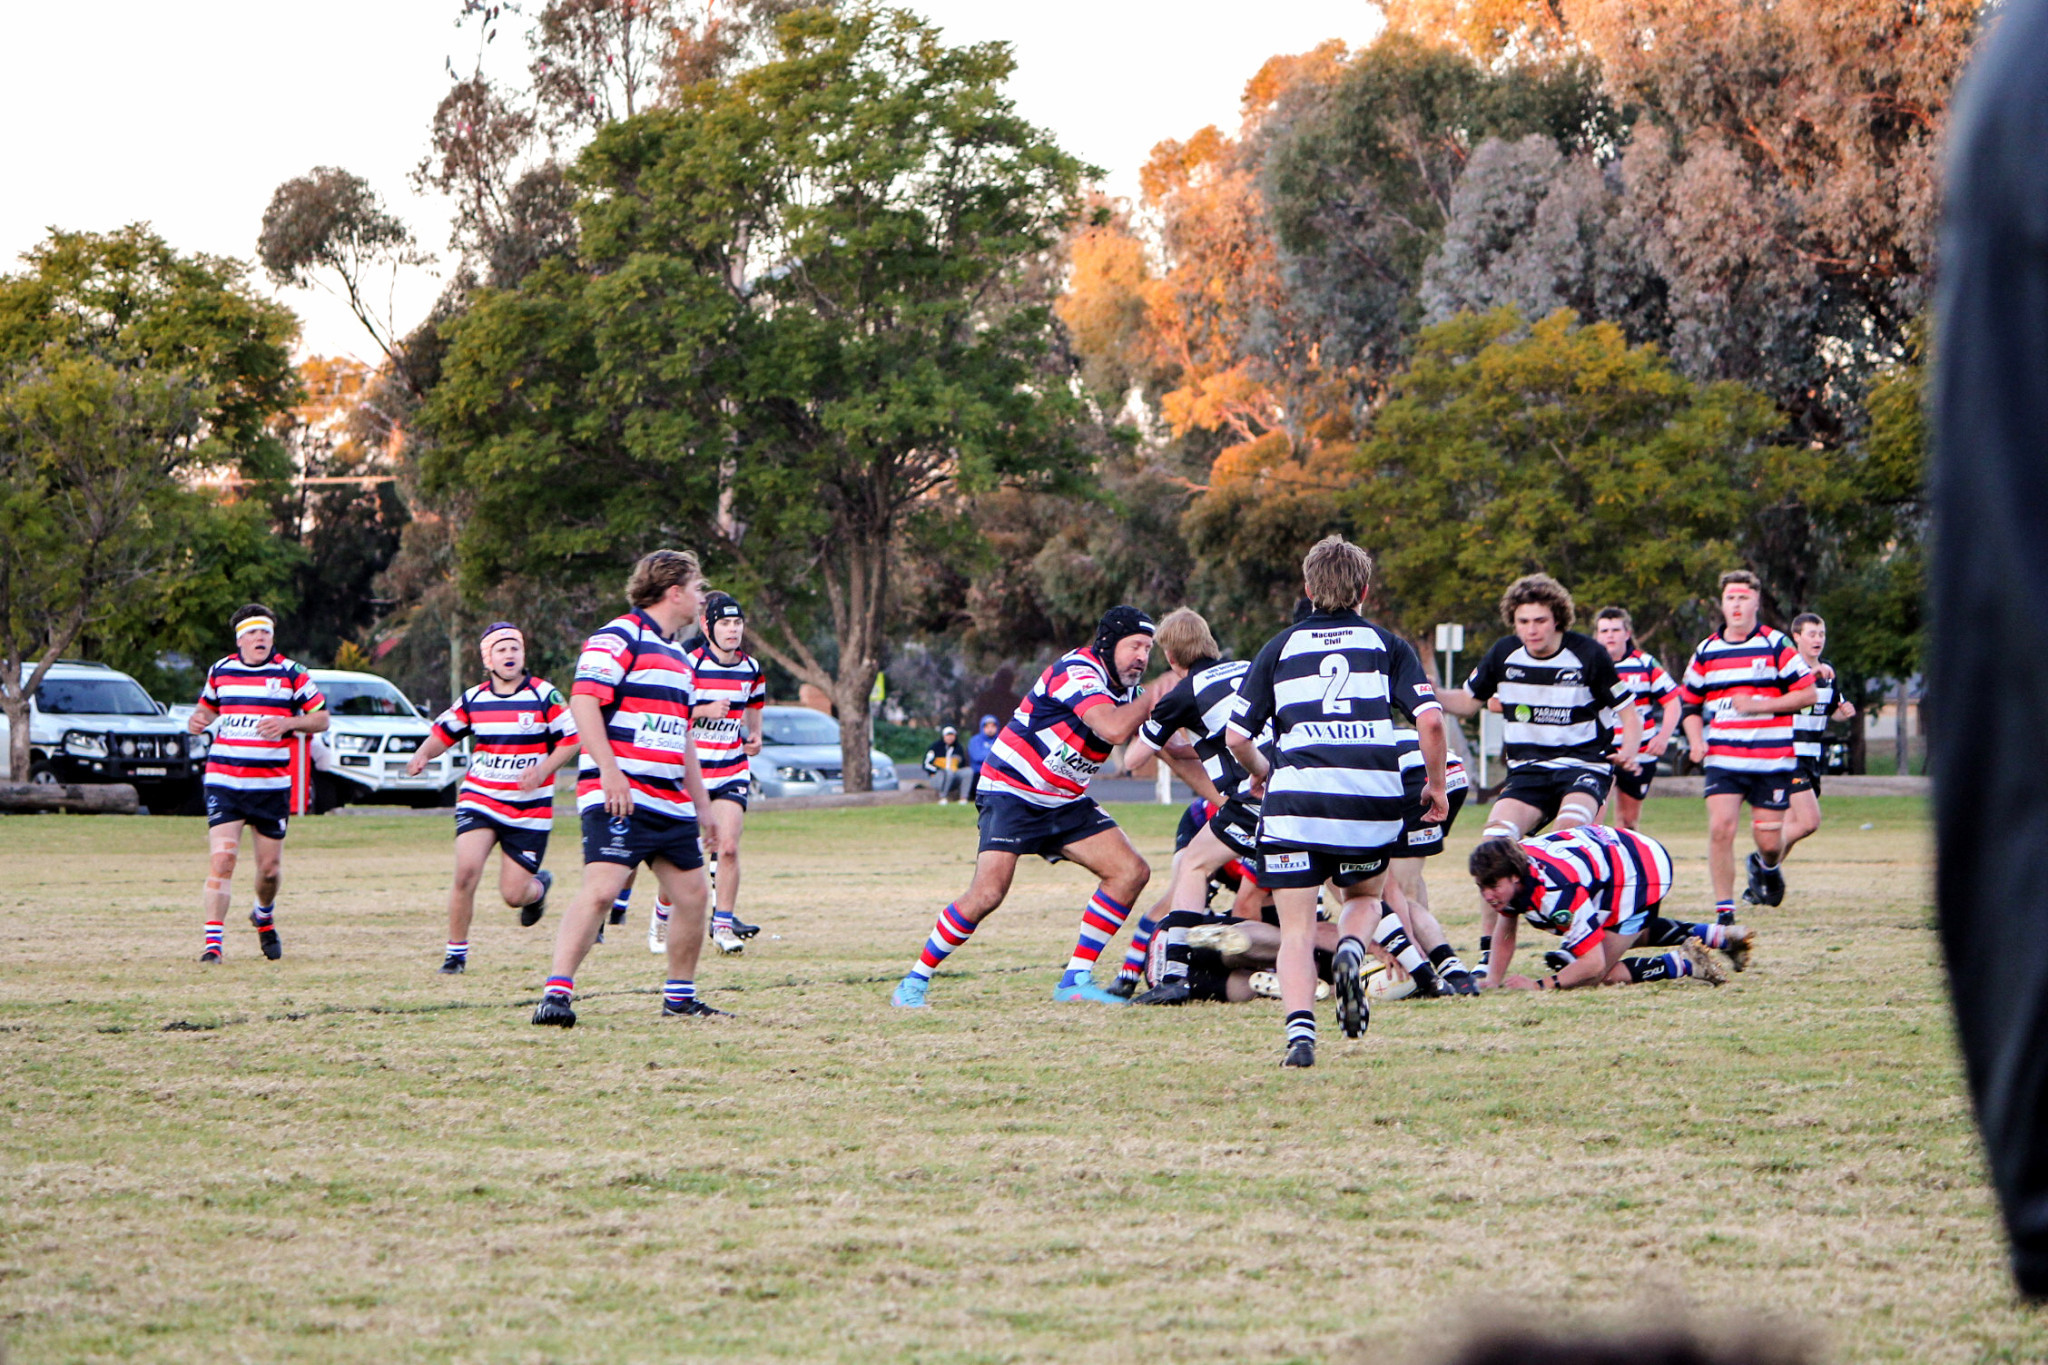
[1754, 705]
[1656, 744]
[611, 780]
[1117, 724]
[1429, 732]
[1631, 738]
[1459, 702]
[544, 771]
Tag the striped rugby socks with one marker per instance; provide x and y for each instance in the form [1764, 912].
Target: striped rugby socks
[675, 993]
[1141, 944]
[459, 952]
[216, 937]
[952, 930]
[564, 986]
[1662, 967]
[1099, 923]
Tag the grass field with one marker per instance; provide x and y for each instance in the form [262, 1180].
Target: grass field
[345, 1156]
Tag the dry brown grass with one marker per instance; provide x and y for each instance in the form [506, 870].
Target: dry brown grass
[344, 1156]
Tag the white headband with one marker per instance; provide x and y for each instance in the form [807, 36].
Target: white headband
[255, 623]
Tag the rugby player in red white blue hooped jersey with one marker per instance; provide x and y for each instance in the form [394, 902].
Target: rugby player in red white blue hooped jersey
[1033, 798]
[1740, 691]
[1656, 701]
[261, 700]
[1602, 889]
[639, 787]
[731, 690]
[520, 735]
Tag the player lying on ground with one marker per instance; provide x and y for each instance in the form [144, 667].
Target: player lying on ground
[521, 735]
[1601, 889]
[1033, 798]
[1656, 702]
[1809, 731]
[1332, 794]
[1561, 704]
[1741, 689]
[638, 787]
[259, 697]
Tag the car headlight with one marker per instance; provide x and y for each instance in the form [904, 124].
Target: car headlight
[354, 744]
[85, 744]
[796, 774]
[403, 744]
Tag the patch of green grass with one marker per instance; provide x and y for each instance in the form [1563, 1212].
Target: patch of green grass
[346, 1157]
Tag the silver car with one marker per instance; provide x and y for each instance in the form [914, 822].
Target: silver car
[800, 755]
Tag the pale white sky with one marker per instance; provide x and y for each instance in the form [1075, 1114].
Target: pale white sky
[188, 115]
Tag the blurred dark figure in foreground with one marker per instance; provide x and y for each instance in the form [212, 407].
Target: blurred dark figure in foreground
[1989, 608]
[1645, 1348]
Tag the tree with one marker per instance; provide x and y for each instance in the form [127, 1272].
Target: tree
[123, 367]
[330, 222]
[804, 313]
[1559, 448]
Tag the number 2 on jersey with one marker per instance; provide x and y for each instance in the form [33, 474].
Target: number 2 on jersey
[1338, 670]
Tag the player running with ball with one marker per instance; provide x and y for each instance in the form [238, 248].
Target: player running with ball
[1333, 801]
[522, 736]
[638, 788]
[259, 697]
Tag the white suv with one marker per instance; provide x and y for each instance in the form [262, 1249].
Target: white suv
[92, 723]
[372, 732]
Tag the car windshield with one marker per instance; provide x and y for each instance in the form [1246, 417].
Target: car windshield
[360, 697]
[798, 727]
[115, 696]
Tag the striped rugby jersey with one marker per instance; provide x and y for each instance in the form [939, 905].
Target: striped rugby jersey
[1561, 712]
[1415, 769]
[1766, 664]
[511, 734]
[1591, 878]
[244, 695]
[1810, 726]
[1644, 679]
[1329, 685]
[1202, 704]
[1047, 755]
[644, 682]
[743, 686]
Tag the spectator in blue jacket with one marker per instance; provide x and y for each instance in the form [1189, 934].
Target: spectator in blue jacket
[978, 746]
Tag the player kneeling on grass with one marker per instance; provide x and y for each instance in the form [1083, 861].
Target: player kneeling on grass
[638, 787]
[259, 698]
[521, 735]
[1601, 889]
[1033, 798]
[1332, 797]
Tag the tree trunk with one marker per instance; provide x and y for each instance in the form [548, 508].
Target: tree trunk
[454, 655]
[1901, 743]
[17, 710]
[1859, 739]
[856, 730]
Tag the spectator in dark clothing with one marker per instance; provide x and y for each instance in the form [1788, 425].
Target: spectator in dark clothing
[1988, 582]
[946, 761]
[979, 745]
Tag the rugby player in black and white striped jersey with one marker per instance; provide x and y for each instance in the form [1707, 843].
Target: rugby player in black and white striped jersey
[1809, 731]
[1560, 698]
[1333, 801]
[1199, 704]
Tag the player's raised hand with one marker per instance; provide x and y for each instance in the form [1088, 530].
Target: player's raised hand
[417, 764]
